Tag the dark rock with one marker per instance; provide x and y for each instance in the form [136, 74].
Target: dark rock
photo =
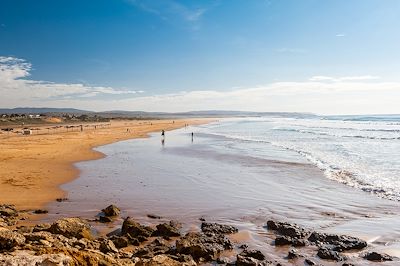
[71, 227]
[107, 246]
[375, 256]
[286, 240]
[293, 253]
[340, 242]
[120, 241]
[39, 211]
[243, 246]
[157, 247]
[167, 230]
[136, 230]
[287, 229]
[105, 219]
[253, 254]
[153, 216]
[310, 262]
[327, 254]
[348, 264]
[215, 228]
[111, 210]
[61, 199]
[299, 242]
[202, 246]
[250, 258]
[10, 239]
[283, 241]
[8, 211]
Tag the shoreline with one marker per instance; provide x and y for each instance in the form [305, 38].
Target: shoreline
[34, 167]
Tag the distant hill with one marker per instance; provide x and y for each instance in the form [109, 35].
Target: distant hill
[141, 114]
[34, 110]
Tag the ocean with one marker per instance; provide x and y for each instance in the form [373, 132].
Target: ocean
[360, 151]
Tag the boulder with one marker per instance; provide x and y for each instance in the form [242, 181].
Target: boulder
[250, 258]
[287, 229]
[105, 219]
[214, 228]
[120, 241]
[340, 242]
[202, 246]
[71, 227]
[107, 246]
[375, 256]
[8, 211]
[37, 236]
[135, 230]
[293, 254]
[328, 254]
[111, 210]
[10, 239]
[170, 229]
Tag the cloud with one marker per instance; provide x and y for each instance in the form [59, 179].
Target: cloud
[340, 35]
[15, 85]
[339, 79]
[170, 9]
[319, 94]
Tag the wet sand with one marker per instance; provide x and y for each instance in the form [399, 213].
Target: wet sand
[187, 180]
[32, 168]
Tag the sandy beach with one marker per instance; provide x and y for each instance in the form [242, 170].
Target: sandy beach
[33, 167]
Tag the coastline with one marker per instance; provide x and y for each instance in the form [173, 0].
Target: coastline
[34, 167]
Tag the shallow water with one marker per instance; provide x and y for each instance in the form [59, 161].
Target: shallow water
[227, 180]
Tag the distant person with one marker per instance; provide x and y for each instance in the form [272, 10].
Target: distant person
[192, 136]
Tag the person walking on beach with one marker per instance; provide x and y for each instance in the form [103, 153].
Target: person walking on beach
[192, 136]
[162, 137]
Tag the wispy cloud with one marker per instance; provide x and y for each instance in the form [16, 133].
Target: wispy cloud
[15, 85]
[340, 35]
[171, 10]
[340, 79]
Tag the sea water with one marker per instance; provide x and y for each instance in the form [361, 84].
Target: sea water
[359, 151]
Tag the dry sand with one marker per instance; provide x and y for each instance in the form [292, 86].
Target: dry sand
[33, 167]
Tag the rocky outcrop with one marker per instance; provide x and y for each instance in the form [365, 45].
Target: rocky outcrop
[10, 239]
[214, 228]
[170, 229]
[29, 258]
[329, 254]
[111, 211]
[135, 230]
[375, 256]
[287, 229]
[202, 246]
[251, 258]
[71, 227]
[338, 242]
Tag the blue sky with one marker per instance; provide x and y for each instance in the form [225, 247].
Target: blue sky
[139, 54]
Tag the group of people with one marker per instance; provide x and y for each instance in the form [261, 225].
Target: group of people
[163, 136]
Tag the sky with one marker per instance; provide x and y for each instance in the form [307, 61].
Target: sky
[319, 56]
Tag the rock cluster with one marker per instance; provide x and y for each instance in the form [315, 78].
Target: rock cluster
[69, 241]
[329, 246]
